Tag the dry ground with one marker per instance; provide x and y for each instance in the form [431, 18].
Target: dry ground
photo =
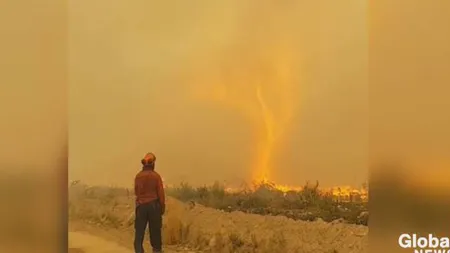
[83, 242]
[193, 227]
[85, 238]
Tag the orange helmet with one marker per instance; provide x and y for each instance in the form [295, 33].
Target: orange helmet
[149, 158]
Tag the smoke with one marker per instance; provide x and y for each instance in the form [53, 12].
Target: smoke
[258, 79]
[232, 90]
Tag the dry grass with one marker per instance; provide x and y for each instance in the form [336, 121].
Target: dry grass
[110, 207]
[308, 204]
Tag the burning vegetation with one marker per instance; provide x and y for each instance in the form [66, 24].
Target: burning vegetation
[338, 193]
[343, 204]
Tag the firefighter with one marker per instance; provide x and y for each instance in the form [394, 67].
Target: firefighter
[150, 205]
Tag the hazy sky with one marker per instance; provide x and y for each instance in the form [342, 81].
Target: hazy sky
[180, 80]
[409, 86]
[33, 87]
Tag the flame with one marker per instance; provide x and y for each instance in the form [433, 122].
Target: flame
[339, 193]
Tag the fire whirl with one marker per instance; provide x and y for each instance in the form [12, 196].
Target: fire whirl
[262, 87]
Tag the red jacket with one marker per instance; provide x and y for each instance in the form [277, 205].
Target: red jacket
[148, 187]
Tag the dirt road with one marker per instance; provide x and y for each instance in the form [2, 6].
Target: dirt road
[87, 242]
[80, 242]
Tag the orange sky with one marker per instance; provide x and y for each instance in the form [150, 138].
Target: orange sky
[131, 83]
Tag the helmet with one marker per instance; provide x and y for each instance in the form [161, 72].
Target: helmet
[148, 159]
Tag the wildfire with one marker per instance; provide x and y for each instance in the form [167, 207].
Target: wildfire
[260, 86]
[260, 81]
[341, 193]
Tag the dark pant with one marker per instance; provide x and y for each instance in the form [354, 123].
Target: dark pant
[148, 213]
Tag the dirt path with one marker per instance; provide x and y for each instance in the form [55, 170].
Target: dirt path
[80, 242]
[84, 238]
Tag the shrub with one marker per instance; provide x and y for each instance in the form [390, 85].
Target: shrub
[306, 204]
